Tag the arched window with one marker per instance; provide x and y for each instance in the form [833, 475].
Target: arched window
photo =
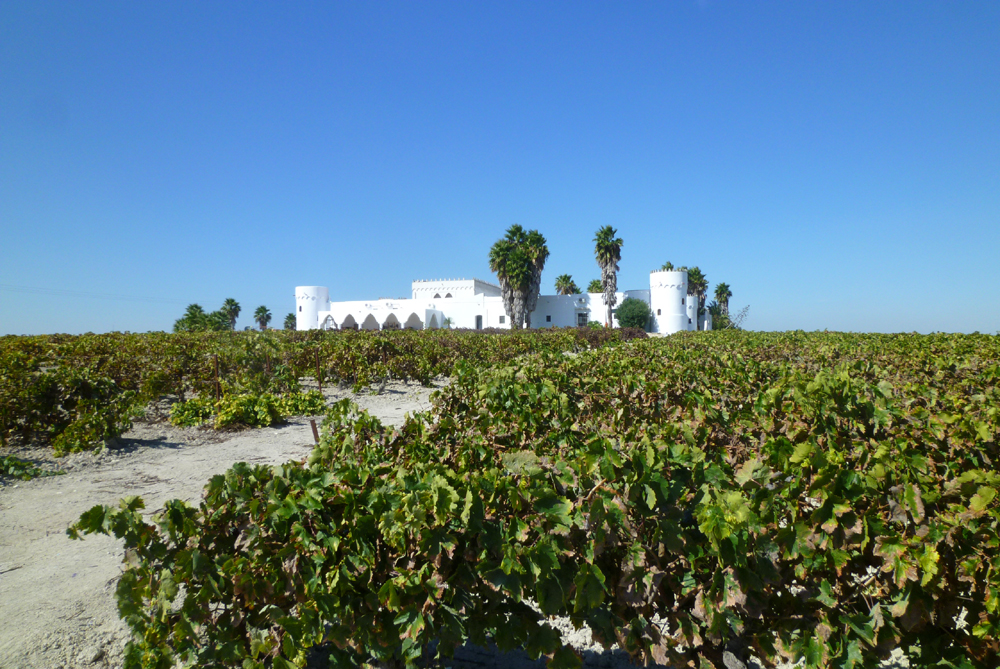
[437, 296]
[657, 312]
[447, 295]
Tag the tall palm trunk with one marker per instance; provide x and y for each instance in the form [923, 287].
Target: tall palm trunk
[533, 289]
[609, 279]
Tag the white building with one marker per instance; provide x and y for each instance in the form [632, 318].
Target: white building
[471, 303]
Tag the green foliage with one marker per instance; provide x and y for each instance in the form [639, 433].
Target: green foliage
[71, 409]
[262, 316]
[99, 382]
[195, 319]
[231, 309]
[565, 285]
[633, 313]
[290, 321]
[518, 260]
[195, 411]
[697, 285]
[310, 403]
[595, 286]
[24, 470]
[821, 497]
[247, 409]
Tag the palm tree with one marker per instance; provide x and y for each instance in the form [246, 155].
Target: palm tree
[667, 267]
[722, 295]
[193, 319]
[565, 285]
[698, 286]
[262, 316]
[608, 250]
[595, 286]
[518, 259]
[290, 322]
[231, 308]
[216, 322]
[538, 252]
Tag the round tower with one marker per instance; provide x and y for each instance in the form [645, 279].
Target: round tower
[667, 291]
[691, 309]
[309, 301]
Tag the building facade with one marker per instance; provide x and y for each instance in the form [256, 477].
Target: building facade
[476, 304]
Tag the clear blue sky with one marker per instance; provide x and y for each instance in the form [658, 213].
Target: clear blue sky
[837, 163]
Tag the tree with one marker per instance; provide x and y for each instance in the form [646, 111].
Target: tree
[720, 320]
[722, 295]
[698, 286]
[217, 322]
[538, 252]
[195, 319]
[608, 250]
[262, 316]
[290, 322]
[565, 285]
[633, 313]
[192, 321]
[231, 309]
[667, 267]
[518, 259]
[595, 286]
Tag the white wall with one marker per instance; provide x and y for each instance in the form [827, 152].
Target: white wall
[457, 288]
[559, 311]
[309, 301]
[668, 291]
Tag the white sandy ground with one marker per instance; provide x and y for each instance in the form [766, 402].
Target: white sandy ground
[57, 608]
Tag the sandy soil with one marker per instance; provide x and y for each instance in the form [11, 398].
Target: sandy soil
[57, 595]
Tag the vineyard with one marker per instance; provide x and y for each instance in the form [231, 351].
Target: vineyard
[817, 497]
[76, 392]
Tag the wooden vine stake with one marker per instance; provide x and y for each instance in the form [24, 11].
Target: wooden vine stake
[315, 431]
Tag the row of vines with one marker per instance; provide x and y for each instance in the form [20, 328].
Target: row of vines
[75, 392]
[823, 498]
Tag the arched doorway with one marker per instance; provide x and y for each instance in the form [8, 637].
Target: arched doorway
[328, 324]
[391, 323]
[432, 324]
[413, 323]
[349, 323]
[369, 323]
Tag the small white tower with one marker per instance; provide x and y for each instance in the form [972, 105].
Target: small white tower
[667, 291]
[691, 304]
[309, 301]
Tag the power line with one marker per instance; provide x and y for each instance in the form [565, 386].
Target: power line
[61, 292]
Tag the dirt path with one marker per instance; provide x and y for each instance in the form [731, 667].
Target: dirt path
[57, 595]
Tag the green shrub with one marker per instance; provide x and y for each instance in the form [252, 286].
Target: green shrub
[251, 410]
[70, 409]
[248, 410]
[310, 403]
[633, 313]
[195, 411]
